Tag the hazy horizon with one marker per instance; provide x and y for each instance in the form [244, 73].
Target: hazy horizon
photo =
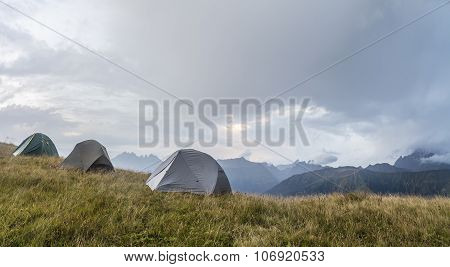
[379, 105]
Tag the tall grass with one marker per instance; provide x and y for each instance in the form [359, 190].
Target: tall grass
[42, 205]
[6, 149]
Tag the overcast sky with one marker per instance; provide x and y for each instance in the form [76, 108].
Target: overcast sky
[383, 103]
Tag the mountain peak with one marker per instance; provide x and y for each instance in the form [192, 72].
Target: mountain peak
[422, 154]
[131, 161]
[384, 168]
[417, 161]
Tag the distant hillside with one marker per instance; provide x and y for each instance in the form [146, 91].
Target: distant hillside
[420, 160]
[384, 168]
[253, 177]
[6, 150]
[130, 161]
[298, 167]
[248, 177]
[349, 179]
[42, 205]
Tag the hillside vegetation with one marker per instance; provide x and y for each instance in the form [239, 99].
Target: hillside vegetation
[350, 179]
[6, 150]
[42, 205]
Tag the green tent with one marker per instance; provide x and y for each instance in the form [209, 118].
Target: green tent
[37, 145]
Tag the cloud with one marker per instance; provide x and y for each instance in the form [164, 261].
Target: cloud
[442, 158]
[247, 154]
[325, 159]
[28, 117]
[24, 56]
[18, 122]
[376, 106]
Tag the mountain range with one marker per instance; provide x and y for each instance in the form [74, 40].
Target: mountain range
[350, 179]
[251, 177]
[416, 173]
[421, 160]
[244, 175]
[133, 162]
[385, 168]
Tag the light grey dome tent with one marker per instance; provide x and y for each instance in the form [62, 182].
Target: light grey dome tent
[88, 156]
[190, 171]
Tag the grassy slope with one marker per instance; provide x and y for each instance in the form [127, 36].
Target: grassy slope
[41, 205]
[6, 149]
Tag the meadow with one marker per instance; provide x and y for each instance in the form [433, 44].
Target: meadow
[42, 205]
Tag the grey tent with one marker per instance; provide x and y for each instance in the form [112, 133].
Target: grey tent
[37, 145]
[191, 171]
[87, 156]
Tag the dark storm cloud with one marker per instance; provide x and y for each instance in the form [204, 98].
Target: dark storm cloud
[386, 101]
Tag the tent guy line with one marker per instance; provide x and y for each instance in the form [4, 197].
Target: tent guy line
[359, 51]
[311, 77]
[97, 54]
[108, 60]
